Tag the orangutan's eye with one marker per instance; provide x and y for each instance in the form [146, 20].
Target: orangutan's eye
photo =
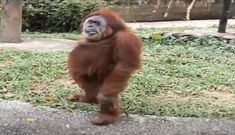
[97, 23]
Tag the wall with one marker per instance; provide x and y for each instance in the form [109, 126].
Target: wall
[154, 10]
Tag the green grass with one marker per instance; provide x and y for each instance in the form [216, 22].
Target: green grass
[179, 78]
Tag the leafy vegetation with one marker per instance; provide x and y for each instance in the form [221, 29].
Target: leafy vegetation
[180, 77]
[57, 15]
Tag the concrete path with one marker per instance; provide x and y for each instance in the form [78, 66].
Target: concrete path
[204, 27]
[41, 45]
[175, 24]
[17, 118]
[194, 27]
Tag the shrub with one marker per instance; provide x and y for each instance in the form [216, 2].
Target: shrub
[57, 15]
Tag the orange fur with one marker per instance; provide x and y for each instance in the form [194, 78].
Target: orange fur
[102, 68]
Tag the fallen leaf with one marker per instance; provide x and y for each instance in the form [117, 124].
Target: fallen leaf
[9, 95]
[31, 120]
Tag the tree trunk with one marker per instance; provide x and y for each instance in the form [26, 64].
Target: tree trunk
[11, 21]
[224, 16]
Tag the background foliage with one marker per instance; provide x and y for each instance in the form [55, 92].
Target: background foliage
[57, 15]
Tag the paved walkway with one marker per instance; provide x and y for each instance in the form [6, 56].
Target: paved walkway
[175, 24]
[17, 118]
[195, 27]
[41, 45]
[205, 27]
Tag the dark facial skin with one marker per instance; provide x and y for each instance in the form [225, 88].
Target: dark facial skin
[93, 27]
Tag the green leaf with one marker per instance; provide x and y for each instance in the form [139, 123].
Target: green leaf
[156, 37]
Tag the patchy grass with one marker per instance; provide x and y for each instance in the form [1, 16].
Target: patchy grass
[179, 78]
